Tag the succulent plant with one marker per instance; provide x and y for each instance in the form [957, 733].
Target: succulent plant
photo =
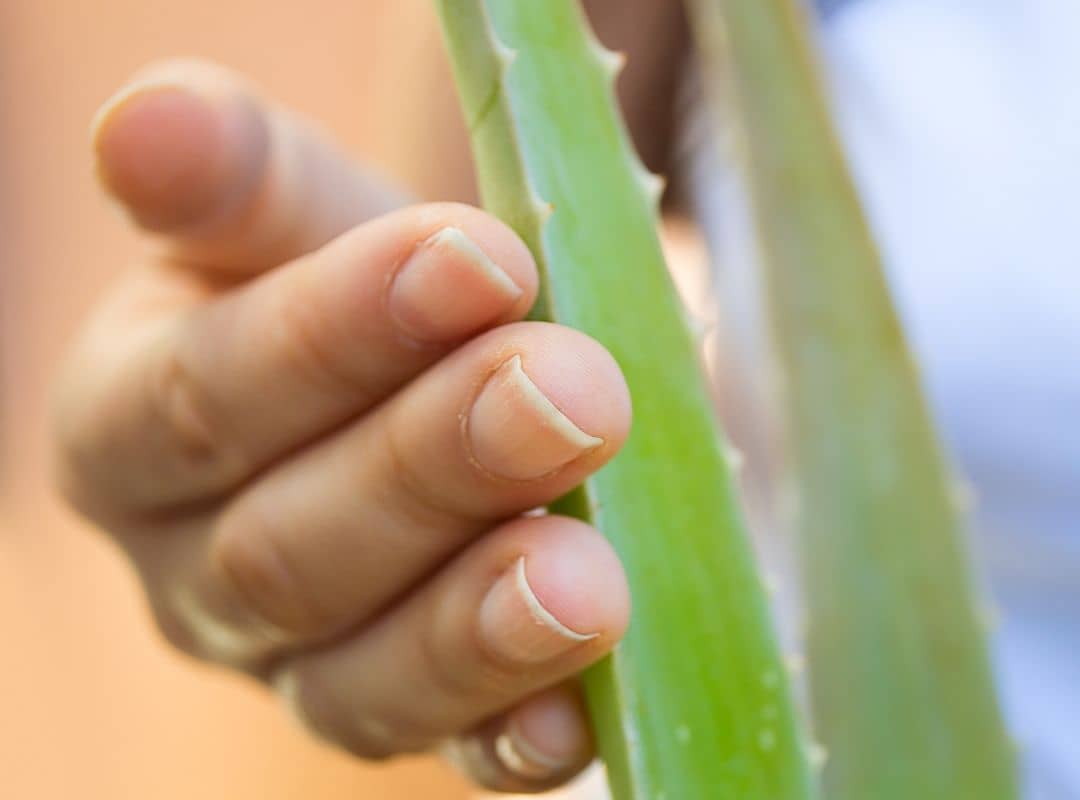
[695, 703]
[902, 691]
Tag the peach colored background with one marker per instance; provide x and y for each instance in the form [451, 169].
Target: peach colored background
[91, 704]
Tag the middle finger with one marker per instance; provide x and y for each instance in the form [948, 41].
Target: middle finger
[511, 421]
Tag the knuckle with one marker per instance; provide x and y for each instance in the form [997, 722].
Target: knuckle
[179, 408]
[253, 555]
[309, 344]
[445, 678]
[121, 403]
[414, 493]
[365, 733]
[458, 666]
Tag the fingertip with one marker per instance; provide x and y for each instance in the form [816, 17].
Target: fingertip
[582, 379]
[449, 287]
[578, 579]
[539, 745]
[561, 594]
[175, 149]
[546, 737]
[497, 240]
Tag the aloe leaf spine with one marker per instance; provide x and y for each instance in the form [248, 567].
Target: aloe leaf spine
[695, 703]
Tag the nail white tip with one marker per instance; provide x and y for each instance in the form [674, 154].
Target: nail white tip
[455, 239]
[470, 757]
[121, 97]
[817, 755]
[521, 758]
[541, 614]
[556, 420]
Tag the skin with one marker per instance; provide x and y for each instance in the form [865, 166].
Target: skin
[321, 469]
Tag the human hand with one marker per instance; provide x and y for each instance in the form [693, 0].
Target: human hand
[315, 426]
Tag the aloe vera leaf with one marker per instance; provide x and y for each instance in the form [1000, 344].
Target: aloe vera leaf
[695, 702]
[901, 683]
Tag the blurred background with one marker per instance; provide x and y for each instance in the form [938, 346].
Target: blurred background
[94, 705]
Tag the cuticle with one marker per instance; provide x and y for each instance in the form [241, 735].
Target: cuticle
[464, 414]
[419, 244]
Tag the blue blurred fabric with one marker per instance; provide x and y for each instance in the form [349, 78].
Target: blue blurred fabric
[962, 121]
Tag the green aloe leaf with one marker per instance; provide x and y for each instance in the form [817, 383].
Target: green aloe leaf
[695, 703]
[902, 691]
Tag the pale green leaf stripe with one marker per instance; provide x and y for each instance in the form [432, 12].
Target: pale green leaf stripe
[902, 690]
[695, 704]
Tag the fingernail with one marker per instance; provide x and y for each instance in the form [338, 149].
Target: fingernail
[516, 432]
[519, 757]
[516, 626]
[103, 116]
[449, 288]
[174, 155]
[543, 739]
[471, 756]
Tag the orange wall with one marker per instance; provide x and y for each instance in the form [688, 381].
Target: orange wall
[91, 704]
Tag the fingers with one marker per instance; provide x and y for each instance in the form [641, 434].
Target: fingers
[191, 151]
[525, 608]
[538, 745]
[510, 421]
[229, 387]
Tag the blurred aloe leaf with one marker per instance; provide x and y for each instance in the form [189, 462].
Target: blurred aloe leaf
[902, 691]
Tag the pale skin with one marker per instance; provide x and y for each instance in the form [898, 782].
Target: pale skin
[316, 424]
